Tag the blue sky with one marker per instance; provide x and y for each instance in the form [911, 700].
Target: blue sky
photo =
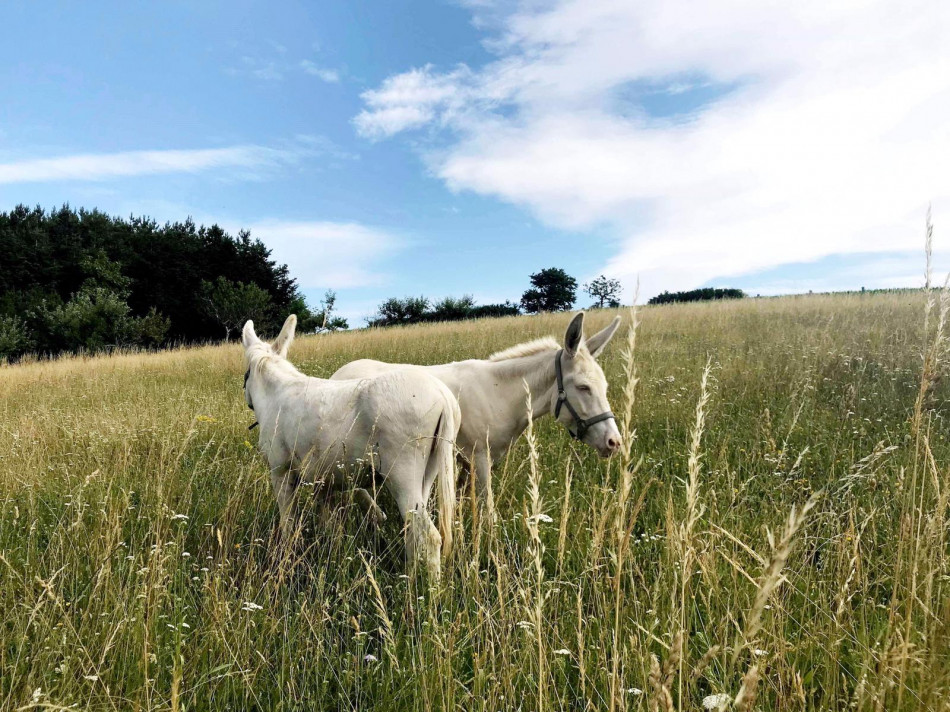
[448, 148]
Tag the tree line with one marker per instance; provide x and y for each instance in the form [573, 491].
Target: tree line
[73, 280]
[697, 295]
[81, 280]
[551, 290]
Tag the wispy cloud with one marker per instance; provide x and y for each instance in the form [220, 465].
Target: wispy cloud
[331, 76]
[248, 161]
[105, 166]
[279, 67]
[825, 144]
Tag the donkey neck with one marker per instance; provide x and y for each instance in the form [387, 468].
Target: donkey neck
[267, 371]
[537, 370]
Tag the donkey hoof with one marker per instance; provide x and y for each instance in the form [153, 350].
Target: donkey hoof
[376, 517]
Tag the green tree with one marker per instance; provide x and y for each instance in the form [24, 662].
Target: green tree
[317, 322]
[231, 304]
[50, 256]
[15, 337]
[96, 318]
[452, 308]
[605, 290]
[394, 310]
[552, 289]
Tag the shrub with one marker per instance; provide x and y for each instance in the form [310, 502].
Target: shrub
[15, 337]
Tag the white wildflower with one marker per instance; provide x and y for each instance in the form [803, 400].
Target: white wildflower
[251, 606]
[562, 651]
[179, 516]
[758, 652]
[91, 678]
[717, 703]
[370, 658]
[635, 691]
[540, 518]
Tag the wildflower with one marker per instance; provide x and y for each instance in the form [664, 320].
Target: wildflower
[562, 651]
[717, 703]
[370, 658]
[758, 652]
[525, 625]
[37, 694]
[635, 691]
[540, 518]
[91, 678]
[251, 606]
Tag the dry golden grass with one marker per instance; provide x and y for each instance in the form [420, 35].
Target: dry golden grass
[137, 568]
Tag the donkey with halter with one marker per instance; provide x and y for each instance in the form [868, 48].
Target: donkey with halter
[566, 382]
[319, 430]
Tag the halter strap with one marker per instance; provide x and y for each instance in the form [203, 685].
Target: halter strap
[247, 374]
[581, 424]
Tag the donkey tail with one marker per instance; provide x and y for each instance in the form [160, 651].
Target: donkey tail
[443, 462]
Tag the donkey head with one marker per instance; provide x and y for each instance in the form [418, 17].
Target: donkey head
[256, 348]
[581, 404]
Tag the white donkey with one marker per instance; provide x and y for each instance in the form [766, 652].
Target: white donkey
[319, 430]
[566, 382]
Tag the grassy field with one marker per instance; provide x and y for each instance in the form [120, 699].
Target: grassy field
[777, 538]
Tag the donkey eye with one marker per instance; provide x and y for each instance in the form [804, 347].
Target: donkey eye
[585, 389]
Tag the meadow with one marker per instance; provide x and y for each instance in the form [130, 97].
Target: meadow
[776, 537]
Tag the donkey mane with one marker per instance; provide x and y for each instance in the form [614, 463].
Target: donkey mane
[529, 348]
[266, 359]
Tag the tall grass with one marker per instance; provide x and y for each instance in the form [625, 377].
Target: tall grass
[773, 536]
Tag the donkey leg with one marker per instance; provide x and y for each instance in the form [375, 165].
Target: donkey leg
[370, 508]
[284, 482]
[423, 541]
[481, 464]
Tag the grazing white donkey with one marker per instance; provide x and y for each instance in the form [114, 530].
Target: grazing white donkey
[315, 429]
[566, 382]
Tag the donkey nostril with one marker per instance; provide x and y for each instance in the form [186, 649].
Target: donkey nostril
[613, 443]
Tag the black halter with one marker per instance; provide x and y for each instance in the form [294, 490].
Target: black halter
[582, 425]
[247, 374]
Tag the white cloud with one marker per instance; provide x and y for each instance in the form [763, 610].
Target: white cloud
[827, 142]
[105, 166]
[326, 255]
[412, 99]
[331, 76]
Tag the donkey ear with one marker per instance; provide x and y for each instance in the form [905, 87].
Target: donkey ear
[574, 336]
[286, 336]
[248, 336]
[598, 341]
